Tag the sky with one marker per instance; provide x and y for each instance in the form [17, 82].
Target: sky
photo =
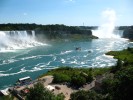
[68, 12]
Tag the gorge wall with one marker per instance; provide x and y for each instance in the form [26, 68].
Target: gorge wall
[128, 32]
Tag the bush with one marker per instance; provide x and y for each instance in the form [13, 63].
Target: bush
[89, 78]
[118, 66]
[123, 84]
[107, 85]
[59, 78]
[41, 93]
[78, 80]
[86, 95]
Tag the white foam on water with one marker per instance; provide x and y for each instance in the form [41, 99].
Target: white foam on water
[36, 68]
[9, 61]
[82, 63]
[49, 63]
[74, 62]
[31, 57]
[7, 70]
[39, 68]
[23, 70]
[66, 52]
[102, 65]
[2, 71]
[63, 61]
[10, 74]
[10, 41]
[54, 58]
[110, 64]
[109, 56]
[85, 56]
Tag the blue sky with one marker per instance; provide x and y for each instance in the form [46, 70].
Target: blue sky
[68, 12]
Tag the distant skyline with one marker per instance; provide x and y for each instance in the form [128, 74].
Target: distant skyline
[68, 12]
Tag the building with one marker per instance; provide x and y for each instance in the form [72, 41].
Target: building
[24, 81]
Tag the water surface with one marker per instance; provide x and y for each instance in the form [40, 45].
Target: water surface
[37, 60]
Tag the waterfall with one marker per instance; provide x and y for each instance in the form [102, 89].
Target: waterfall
[12, 40]
[107, 28]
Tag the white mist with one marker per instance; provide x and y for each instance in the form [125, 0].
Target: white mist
[106, 29]
[12, 40]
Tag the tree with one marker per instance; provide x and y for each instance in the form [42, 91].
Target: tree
[107, 85]
[78, 80]
[123, 84]
[118, 66]
[40, 93]
[60, 97]
[80, 95]
[10, 97]
[59, 78]
[86, 95]
[89, 78]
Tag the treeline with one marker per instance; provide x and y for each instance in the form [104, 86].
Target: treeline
[57, 31]
[12, 27]
[52, 27]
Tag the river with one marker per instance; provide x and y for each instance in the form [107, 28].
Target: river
[34, 61]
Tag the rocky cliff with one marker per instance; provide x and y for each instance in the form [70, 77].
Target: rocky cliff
[128, 33]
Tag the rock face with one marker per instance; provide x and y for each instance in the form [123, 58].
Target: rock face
[65, 34]
[128, 33]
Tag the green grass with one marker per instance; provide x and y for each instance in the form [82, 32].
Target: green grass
[70, 71]
[75, 76]
[125, 55]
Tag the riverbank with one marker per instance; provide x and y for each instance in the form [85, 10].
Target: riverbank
[109, 84]
[66, 88]
[104, 80]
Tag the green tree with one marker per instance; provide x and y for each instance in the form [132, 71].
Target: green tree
[10, 97]
[89, 78]
[60, 97]
[59, 78]
[107, 85]
[40, 93]
[86, 95]
[123, 84]
[118, 66]
[78, 80]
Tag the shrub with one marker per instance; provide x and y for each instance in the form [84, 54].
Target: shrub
[78, 80]
[41, 93]
[59, 78]
[86, 95]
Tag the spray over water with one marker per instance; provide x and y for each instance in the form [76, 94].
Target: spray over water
[106, 30]
[12, 40]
